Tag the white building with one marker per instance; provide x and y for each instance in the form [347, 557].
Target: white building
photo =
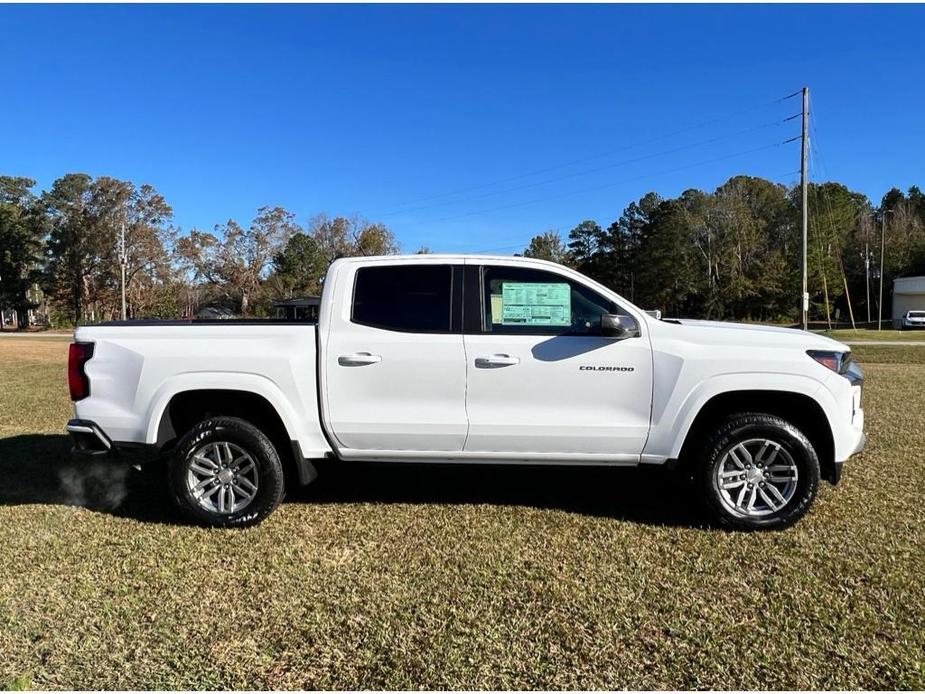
[908, 295]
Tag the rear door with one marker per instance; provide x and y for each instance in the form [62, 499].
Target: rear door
[395, 369]
[542, 380]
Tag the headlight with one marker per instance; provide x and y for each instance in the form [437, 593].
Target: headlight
[836, 361]
[840, 362]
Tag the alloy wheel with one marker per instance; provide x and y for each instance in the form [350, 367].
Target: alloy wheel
[221, 477]
[756, 478]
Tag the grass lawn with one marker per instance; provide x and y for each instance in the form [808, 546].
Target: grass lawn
[420, 576]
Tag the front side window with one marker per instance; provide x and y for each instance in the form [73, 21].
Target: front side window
[536, 302]
[405, 298]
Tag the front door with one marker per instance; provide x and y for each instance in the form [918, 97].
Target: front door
[395, 364]
[541, 379]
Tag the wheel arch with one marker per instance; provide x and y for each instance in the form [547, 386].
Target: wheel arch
[185, 408]
[800, 410]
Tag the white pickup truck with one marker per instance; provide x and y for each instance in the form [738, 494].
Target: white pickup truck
[470, 359]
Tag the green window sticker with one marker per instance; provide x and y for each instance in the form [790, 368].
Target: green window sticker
[536, 303]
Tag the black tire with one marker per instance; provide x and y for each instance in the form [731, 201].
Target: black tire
[270, 480]
[749, 427]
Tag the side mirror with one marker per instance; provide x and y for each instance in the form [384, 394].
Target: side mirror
[618, 327]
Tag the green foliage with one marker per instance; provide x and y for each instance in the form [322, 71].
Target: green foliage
[735, 252]
[548, 246]
[584, 248]
[730, 253]
[668, 275]
[22, 683]
[22, 231]
[299, 267]
[85, 218]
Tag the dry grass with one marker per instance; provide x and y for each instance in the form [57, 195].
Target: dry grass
[437, 577]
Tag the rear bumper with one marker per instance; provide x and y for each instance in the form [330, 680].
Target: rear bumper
[89, 438]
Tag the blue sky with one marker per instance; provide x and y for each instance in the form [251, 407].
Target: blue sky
[465, 128]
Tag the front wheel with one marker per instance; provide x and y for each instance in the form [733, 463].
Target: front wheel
[225, 472]
[758, 471]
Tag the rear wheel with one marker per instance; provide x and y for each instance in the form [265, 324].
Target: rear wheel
[758, 471]
[225, 472]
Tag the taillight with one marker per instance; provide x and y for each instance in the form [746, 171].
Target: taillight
[77, 381]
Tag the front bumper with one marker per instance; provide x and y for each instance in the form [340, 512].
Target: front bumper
[89, 438]
[858, 441]
[859, 446]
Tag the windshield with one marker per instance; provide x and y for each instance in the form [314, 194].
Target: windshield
[916, 314]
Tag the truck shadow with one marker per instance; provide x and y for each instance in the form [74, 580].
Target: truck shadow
[39, 469]
[644, 495]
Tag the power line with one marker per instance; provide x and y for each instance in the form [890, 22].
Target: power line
[573, 162]
[588, 172]
[523, 244]
[610, 185]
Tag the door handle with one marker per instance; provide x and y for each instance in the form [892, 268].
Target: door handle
[358, 359]
[496, 361]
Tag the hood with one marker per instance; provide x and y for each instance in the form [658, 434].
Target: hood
[754, 332]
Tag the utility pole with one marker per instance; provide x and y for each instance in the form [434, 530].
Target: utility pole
[883, 215]
[804, 297]
[867, 277]
[122, 264]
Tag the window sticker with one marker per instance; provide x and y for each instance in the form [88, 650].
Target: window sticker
[536, 303]
[495, 309]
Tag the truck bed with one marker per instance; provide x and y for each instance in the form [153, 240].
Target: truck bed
[138, 366]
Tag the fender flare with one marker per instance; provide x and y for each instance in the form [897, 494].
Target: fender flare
[667, 438]
[208, 380]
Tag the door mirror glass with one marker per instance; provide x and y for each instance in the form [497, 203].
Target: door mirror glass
[618, 327]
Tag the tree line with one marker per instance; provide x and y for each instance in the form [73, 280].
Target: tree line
[735, 253]
[730, 253]
[62, 248]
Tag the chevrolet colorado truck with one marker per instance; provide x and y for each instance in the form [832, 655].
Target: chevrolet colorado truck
[470, 359]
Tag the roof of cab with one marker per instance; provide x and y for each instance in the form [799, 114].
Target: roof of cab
[446, 257]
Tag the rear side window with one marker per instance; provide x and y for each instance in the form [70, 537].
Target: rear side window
[405, 298]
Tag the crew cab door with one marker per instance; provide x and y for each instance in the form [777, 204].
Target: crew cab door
[542, 379]
[394, 367]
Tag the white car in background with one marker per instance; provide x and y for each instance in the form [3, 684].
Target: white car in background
[913, 319]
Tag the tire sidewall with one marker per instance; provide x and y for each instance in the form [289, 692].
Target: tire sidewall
[791, 439]
[251, 440]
